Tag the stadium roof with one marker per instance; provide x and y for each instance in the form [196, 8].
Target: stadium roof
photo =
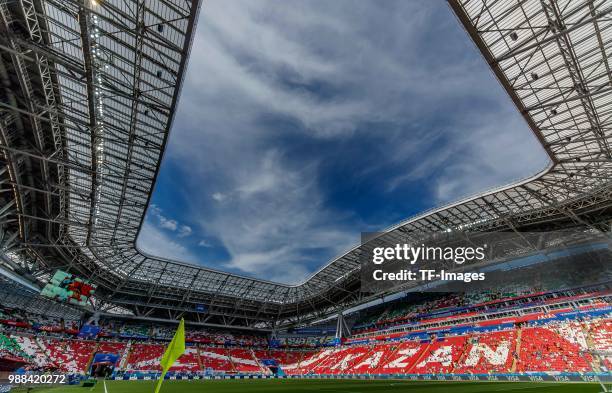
[90, 91]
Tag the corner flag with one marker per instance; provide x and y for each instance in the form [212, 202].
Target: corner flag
[174, 350]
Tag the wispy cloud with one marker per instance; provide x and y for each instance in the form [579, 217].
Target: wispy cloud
[304, 123]
[479, 153]
[275, 215]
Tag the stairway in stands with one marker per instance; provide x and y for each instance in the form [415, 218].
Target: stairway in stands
[125, 356]
[199, 358]
[231, 361]
[595, 363]
[519, 333]
[43, 349]
[91, 357]
[300, 359]
[424, 352]
[464, 353]
[263, 368]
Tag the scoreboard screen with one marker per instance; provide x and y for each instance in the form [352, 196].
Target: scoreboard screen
[68, 288]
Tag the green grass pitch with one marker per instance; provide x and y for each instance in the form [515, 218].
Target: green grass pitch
[325, 386]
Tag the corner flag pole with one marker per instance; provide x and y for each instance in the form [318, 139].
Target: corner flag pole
[174, 351]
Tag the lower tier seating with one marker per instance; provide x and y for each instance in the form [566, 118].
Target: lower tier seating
[544, 350]
[217, 359]
[71, 356]
[145, 357]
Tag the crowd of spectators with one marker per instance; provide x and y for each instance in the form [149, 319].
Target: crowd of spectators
[421, 306]
[538, 343]
[10, 348]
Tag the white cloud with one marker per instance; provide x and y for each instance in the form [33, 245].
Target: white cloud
[156, 217]
[219, 197]
[156, 242]
[167, 223]
[204, 243]
[184, 231]
[154, 210]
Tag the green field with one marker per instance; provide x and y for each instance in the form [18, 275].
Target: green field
[331, 386]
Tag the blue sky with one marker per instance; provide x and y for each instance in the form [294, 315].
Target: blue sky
[304, 123]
